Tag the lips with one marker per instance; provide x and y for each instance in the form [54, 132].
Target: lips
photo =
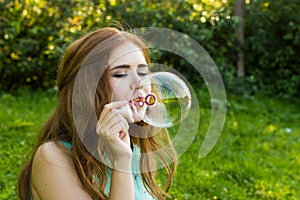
[138, 96]
[137, 106]
[137, 101]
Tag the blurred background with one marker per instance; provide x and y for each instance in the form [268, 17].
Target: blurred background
[254, 43]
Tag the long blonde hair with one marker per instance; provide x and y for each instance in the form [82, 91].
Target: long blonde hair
[61, 127]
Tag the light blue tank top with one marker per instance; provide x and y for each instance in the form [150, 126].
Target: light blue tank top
[140, 192]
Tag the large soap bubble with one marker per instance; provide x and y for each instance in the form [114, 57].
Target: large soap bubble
[168, 103]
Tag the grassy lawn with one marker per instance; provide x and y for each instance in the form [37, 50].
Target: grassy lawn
[256, 157]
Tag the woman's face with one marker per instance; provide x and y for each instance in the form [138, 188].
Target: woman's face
[127, 66]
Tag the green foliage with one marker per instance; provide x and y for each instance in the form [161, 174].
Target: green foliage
[33, 35]
[256, 157]
[272, 44]
[21, 116]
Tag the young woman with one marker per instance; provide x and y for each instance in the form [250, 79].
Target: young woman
[95, 146]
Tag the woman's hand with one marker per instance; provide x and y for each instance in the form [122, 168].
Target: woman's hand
[112, 127]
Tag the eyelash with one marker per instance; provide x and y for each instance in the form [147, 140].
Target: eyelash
[123, 75]
[142, 73]
[119, 75]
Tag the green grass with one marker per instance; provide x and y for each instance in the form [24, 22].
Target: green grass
[21, 116]
[256, 157]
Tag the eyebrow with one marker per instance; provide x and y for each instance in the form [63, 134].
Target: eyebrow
[126, 66]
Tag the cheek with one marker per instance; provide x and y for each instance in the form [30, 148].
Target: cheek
[118, 89]
[148, 89]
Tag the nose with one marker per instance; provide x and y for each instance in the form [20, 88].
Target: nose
[134, 83]
[141, 85]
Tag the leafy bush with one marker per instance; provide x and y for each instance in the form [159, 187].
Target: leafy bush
[272, 44]
[33, 34]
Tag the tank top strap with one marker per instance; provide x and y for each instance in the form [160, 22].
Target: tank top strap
[65, 144]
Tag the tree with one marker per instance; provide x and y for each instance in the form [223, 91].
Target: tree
[239, 12]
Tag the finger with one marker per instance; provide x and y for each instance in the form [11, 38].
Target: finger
[113, 118]
[115, 125]
[114, 133]
[122, 124]
[109, 107]
[122, 135]
[103, 116]
[126, 139]
[107, 115]
[109, 133]
[126, 112]
[116, 104]
[108, 118]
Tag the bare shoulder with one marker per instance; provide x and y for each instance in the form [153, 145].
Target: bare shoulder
[51, 153]
[53, 174]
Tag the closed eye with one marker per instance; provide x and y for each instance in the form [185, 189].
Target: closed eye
[142, 73]
[119, 75]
